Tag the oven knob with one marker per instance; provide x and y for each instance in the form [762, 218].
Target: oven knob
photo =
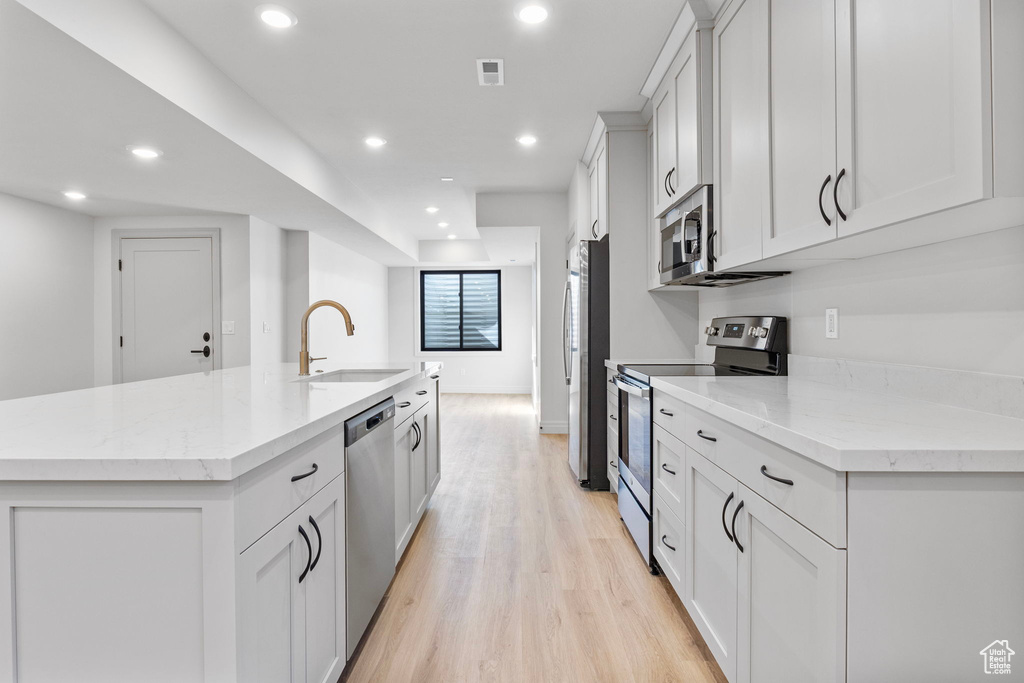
[711, 331]
[752, 331]
[762, 332]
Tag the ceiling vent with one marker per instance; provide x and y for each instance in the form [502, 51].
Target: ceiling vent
[490, 71]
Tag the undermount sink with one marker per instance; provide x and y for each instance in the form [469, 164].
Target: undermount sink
[356, 375]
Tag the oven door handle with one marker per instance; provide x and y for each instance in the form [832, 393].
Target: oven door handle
[632, 389]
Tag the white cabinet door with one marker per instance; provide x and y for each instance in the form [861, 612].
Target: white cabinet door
[692, 91]
[669, 543]
[669, 474]
[598, 194]
[433, 440]
[803, 125]
[325, 585]
[711, 579]
[741, 132]
[419, 485]
[664, 161]
[792, 599]
[914, 129]
[590, 231]
[272, 605]
[404, 438]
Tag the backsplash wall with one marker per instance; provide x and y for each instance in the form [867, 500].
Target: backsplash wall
[956, 305]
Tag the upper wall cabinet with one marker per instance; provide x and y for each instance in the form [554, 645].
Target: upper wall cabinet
[598, 174]
[681, 109]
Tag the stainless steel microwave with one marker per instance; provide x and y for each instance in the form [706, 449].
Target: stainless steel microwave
[688, 240]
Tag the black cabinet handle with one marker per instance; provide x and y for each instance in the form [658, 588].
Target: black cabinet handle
[309, 554]
[711, 248]
[404, 404]
[319, 543]
[671, 190]
[593, 229]
[419, 435]
[435, 376]
[707, 438]
[724, 508]
[665, 412]
[835, 194]
[735, 537]
[611, 381]
[664, 184]
[297, 477]
[613, 417]
[421, 392]
[664, 540]
[764, 471]
[821, 208]
[664, 467]
[205, 351]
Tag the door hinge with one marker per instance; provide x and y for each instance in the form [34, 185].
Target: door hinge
[119, 264]
[122, 341]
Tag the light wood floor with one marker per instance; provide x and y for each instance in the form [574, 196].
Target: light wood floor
[518, 574]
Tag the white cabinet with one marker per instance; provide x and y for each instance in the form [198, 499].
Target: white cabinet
[792, 598]
[433, 435]
[417, 465]
[291, 595]
[598, 174]
[742, 167]
[668, 543]
[681, 123]
[669, 474]
[405, 436]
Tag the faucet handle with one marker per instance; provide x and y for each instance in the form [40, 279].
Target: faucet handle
[311, 359]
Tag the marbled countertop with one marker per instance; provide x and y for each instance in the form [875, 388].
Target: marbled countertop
[857, 431]
[212, 426]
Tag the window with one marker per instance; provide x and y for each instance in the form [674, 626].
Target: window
[460, 310]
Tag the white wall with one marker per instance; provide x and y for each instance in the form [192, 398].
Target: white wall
[550, 213]
[509, 371]
[234, 275]
[46, 280]
[267, 292]
[956, 305]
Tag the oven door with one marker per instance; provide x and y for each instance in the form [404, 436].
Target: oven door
[635, 439]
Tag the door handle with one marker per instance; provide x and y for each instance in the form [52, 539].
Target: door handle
[667, 469]
[319, 543]
[835, 194]
[404, 404]
[309, 554]
[724, 508]
[735, 536]
[299, 477]
[821, 192]
[593, 229]
[613, 417]
[419, 435]
[422, 392]
[205, 351]
[665, 412]
[671, 190]
[706, 438]
[664, 540]
[764, 471]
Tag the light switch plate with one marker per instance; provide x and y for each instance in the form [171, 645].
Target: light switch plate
[227, 326]
[832, 323]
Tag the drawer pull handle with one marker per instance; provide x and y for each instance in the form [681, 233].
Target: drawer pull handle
[319, 543]
[764, 471]
[404, 404]
[611, 381]
[665, 412]
[664, 540]
[612, 463]
[309, 554]
[422, 392]
[664, 467]
[735, 536]
[708, 438]
[297, 477]
[613, 417]
[724, 508]
[435, 376]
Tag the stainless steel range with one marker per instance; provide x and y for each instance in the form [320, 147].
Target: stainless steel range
[744, 347]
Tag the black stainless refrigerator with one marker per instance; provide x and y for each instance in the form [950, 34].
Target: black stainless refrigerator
[585, 349]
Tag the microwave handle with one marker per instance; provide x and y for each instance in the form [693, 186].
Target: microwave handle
[632, 389]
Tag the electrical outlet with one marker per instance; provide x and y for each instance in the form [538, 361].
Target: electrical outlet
[227, 326]
[832, 323]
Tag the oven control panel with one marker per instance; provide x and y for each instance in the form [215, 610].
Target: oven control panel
[747, 332]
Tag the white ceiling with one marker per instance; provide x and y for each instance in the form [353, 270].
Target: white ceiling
[405, 70]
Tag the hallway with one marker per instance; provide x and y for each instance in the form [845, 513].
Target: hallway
[517, 574]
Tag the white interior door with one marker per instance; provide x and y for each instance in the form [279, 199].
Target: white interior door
[167, 306]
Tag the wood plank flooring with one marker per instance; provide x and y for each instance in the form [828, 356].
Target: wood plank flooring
[518, 574]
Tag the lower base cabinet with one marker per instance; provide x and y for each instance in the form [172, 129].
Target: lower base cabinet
[291, 591]
[417, 467]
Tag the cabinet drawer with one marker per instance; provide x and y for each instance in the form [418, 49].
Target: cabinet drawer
[613, 468]
[669, 540]
[817, 495]
[611, 385]
[669, 469]
[668, 412]
[411, 399]
[613, 414]
[267, 494]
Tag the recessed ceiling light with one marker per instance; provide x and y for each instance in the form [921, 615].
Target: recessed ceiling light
[72, 194]
[532, 14]
[442, 225]
[144, 152]
[276, 16]
[451, 237]
[447, 180]
[376, 142]
[432, 209]
[526, 140]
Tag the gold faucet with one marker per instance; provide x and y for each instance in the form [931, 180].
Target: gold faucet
[304, 357]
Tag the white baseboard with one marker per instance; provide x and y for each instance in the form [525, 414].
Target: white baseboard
[448, 389]
[554, 427]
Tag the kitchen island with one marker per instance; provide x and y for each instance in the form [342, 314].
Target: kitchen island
[159, 530]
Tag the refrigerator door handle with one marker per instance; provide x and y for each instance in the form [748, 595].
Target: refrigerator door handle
[566, 332]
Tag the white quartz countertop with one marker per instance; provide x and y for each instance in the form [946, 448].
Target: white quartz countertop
[212, 426]
[614, 363]
[857, 431]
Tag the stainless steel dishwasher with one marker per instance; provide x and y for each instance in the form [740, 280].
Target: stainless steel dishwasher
[369, 514]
